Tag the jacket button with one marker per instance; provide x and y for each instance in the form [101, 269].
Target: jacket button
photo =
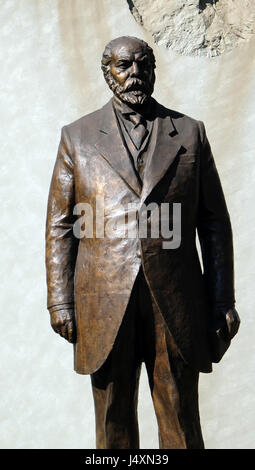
[138, 254]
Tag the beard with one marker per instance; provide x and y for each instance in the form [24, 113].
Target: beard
[134, 91]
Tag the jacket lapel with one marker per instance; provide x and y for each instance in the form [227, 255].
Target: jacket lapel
[166, 143]
[112, 148]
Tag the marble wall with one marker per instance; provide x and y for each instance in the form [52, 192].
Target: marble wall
[50, 56]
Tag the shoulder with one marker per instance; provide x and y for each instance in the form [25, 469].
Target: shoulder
[86, 124]
[163, 111]
[182, 122]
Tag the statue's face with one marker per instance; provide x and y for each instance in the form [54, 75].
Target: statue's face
[131, 74]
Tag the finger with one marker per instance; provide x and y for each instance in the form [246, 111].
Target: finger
[56, 323]
[70, 332]
[56, 328]
[235, 327]
[63, 331]
[232, 323]
[229, 320]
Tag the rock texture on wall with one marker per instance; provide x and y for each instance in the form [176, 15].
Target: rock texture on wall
[196, 27]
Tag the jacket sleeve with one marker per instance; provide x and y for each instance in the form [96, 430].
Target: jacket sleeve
[215, 233]
[61, 245]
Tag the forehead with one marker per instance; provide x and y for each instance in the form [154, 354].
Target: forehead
[128, 50]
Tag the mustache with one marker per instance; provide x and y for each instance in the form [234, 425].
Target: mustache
[133, 91]
[134, 84]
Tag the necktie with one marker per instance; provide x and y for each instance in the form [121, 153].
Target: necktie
[139, 131]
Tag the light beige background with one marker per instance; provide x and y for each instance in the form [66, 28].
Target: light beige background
[50, 76]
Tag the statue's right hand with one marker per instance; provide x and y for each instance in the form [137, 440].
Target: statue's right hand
[63, 323]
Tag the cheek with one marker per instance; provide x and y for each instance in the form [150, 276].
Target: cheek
[120, 77]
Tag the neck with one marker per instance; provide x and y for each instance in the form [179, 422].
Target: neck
[143, 109]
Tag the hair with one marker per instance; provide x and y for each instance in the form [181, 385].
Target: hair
[107, 54]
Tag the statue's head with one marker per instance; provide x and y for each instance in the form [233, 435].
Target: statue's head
[128, 65]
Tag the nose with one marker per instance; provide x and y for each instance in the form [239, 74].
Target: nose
[134, 69]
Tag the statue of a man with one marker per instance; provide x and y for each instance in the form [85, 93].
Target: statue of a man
[124, 299]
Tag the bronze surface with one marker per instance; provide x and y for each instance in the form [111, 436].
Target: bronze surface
[90, 280]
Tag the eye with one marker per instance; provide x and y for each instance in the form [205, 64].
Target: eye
[123, 64]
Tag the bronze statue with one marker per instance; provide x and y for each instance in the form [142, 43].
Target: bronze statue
[124, 300]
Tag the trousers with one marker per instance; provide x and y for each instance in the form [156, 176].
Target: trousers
[144, 337]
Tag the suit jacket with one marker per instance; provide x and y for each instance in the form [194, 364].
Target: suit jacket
[98, 274]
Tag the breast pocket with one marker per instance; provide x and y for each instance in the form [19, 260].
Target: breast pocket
[183, 179]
